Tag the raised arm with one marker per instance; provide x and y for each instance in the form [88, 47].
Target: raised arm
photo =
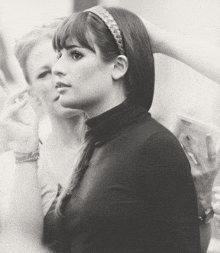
[24, 217]
[202, 56]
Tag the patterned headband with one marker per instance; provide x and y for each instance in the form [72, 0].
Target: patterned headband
[111, 24]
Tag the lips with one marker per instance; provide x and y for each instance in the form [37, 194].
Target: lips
[61, 85]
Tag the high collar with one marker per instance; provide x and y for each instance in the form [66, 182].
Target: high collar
[110, 123]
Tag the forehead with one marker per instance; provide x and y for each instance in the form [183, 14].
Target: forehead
[89, 45]
[41, 55]
[42, 51]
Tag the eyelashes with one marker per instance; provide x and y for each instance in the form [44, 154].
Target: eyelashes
[76, 55]
[44, 74]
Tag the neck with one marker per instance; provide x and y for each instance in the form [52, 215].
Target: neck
[114, 99]
[67, 131]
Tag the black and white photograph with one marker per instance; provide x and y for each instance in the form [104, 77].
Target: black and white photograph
[109, 126]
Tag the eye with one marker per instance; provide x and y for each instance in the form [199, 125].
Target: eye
[76, 55]
[44, 74]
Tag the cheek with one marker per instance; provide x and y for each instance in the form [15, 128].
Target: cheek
[45, 90]
[84, 69]
[88, 76]
[85, 73]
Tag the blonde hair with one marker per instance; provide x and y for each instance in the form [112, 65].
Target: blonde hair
[26, 43]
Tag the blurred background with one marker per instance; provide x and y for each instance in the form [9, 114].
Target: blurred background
[179, 89]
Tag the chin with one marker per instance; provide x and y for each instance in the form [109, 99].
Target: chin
[78, 104]
[69, 104]
[68, 113]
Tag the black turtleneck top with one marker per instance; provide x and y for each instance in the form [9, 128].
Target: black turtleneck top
[137, 194]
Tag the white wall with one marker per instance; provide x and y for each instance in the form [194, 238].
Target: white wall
[20, 16]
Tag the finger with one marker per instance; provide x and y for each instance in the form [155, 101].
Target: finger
[217, 158]
[14, 108]
[188, 143]
[217, 219]
[210, 147]
[216, 209]
[216, 192]
[215, 205]
[27, 115]
[16, 96]
[190, 155]
[10, 111]
[187, 146]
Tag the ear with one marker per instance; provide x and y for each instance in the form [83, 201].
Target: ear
[34, 98]
[120, 67]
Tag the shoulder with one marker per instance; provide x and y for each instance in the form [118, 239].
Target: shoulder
[149, 131]
[158, 148]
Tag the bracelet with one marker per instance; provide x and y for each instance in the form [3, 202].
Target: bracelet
[18, 154]
[26, 157]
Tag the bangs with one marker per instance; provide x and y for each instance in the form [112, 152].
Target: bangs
[76, 26]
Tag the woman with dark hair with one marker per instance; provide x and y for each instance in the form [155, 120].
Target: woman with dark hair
[132, 190]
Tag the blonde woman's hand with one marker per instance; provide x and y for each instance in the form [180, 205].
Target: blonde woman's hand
[18, 120]
[204, 168]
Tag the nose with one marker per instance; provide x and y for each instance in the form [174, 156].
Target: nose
[58, 69]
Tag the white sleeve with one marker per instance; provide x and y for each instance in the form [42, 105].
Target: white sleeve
[7, 169]
[49, 190]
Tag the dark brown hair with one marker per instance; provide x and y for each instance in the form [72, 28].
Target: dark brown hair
[88, 29]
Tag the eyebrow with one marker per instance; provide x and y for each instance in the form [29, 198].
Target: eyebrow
[72, 46]
[44, 67]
